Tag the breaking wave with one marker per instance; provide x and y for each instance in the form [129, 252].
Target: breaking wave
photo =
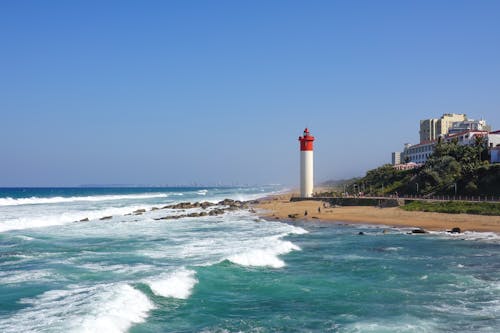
[178, 284]
[266, 257]
[8, 201]
[27, 222]
[111, 308]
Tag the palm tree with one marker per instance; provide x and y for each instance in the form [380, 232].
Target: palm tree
[479, 143]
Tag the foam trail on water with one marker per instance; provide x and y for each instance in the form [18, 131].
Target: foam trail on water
[8, 201]
[471, 235]
[265, 257]
[111, 308]
[400, 326]
[178, 284]
[26, 238]
[19, 276]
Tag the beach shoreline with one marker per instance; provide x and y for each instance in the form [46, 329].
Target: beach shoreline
[279, 207]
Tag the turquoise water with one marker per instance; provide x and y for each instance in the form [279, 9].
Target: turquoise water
[230, 273]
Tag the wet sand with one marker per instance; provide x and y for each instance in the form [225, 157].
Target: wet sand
[280, 207]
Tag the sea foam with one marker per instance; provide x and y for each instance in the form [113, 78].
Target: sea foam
[399, 326]
[19, 276]
[471, 235]
[178, 284]
[111, 308]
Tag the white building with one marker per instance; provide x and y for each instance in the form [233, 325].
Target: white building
[419, 153]
[468, 125]
[493, 139]
[396, 157]
[467, 138]
[495, 155]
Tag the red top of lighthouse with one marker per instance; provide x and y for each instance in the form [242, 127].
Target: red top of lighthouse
[306, 141]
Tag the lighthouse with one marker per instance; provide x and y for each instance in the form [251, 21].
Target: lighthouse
[306, 164]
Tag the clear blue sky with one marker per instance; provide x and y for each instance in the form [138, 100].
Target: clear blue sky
[171, 92]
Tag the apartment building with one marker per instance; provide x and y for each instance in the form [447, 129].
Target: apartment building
[431, 129]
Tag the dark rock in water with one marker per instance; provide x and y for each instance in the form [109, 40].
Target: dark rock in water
[203, 214]
[84, 220]
[418, 231]
[155, 208]
[293, 216]
[251, 210]
[456, 230]
[206, 204]
[171, 217]
[216, 211]
[106, 218]
[226, 202]
[139, 211]
[361, 233]
[180, 205]
[184, 205]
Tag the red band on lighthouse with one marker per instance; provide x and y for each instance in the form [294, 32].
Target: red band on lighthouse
[306, 141]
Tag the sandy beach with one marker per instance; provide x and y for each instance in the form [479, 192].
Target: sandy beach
[280, 207]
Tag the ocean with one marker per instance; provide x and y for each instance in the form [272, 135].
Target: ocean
[229, 273]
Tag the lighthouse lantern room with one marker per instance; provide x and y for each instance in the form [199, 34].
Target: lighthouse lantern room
[306, 164]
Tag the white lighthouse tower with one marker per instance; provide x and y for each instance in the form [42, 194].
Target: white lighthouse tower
[306, 164]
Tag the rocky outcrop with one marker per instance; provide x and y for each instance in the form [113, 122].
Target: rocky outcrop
[233, 204]
[206, 204]
[225, 206]
[189, 205]
[216, 211]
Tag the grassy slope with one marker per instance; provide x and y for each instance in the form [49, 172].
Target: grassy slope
[455, 207]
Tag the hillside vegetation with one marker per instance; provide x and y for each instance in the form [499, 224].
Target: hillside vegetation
[452, 169]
